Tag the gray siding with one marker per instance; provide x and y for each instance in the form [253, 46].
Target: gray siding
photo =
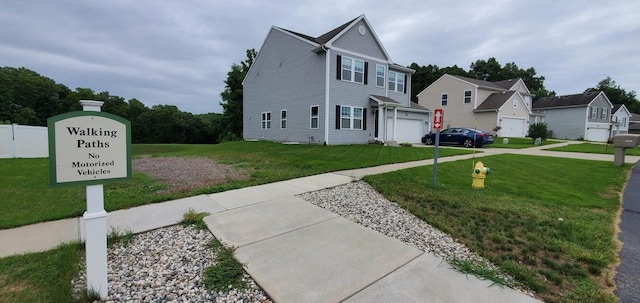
[364, 44]
[285, 75]
[600, 102]
[566, 123]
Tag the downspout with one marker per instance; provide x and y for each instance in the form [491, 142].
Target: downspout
[326, 94]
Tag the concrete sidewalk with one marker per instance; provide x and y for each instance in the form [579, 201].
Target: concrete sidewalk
[298, 252]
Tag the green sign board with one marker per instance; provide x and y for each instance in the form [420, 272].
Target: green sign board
[88, 147]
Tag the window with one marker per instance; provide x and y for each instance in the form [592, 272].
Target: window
[396, 82]
[444, 99]
[283, 119]
[266, 120]
[594, 113]
[380, 75]
[351, 117]
[605, 112]
[624, 122]
[352, 70]
[314, 117]
[467, 96]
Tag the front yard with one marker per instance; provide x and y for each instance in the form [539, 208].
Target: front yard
[548, 222]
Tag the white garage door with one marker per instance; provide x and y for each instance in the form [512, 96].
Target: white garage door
[597, 134]
[512, 127]
[407, 130]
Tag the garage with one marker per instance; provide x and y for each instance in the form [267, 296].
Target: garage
[407, 130]
[513, 127]
[597, 134]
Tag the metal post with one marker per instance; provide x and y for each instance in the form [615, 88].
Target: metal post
[435, 157]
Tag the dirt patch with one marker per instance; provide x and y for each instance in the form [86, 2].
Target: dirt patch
[184, 174]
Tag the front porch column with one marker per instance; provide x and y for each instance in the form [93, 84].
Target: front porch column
[382, 129]
[395, 122]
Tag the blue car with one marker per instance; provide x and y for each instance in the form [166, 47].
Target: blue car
[467, 137]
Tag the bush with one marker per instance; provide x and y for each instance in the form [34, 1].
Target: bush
[538, 130]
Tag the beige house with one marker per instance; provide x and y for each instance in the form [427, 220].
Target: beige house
[502, 107]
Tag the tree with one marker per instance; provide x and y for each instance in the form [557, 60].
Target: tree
[617, 95]
[491, 70]
[425, 75]
[232, 98]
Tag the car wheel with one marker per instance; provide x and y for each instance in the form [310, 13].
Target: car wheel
[428, 141]
[467, 143]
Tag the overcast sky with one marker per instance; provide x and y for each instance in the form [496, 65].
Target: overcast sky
[178, 52]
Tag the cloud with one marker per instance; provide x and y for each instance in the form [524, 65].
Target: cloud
[179, 52]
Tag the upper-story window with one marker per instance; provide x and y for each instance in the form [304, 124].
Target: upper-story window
[352, 70]
[604, 114]
[380, 73]
[467, 96]
[594, 113]
[444, 99]
[396, 82]
[624, 122]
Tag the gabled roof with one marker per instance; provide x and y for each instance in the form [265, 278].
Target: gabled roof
[481, 83]
[620, 107]
[495, 101]
[507, 84]
[324, 38]
[576, 100]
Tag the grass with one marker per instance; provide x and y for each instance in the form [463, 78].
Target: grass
[40, 277]
[29, 198]
[550, 229]
[517, 143]
[227, 272]
[594, 148]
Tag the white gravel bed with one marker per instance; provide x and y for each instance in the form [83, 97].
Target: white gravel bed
[360, 203]
[165, 265]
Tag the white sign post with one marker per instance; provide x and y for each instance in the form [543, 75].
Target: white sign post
[91, 148]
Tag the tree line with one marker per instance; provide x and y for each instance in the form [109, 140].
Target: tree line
[29, 98]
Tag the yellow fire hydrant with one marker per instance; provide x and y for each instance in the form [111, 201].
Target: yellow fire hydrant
[479, 174]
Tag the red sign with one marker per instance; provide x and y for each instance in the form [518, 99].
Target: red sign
[438, 117]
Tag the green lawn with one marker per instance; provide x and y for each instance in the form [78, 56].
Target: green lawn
[517, 143]
[551, 229]
[594, 148]
[30, 199]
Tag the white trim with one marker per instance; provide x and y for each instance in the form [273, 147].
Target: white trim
[352, 117]
[327, 91]
[464, 96]
[363, 56]
[265, 120]
[352, 70]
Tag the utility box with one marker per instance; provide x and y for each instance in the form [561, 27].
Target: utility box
[621, 143]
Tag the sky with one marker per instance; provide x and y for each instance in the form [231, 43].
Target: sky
[178, 52]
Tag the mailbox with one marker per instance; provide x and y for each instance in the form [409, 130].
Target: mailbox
[626, 141]
[621, 143]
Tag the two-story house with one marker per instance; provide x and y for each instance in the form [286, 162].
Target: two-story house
[503, 106]
[620, 117]
[581, 116]
[337, 88]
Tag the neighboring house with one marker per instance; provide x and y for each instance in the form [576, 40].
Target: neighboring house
[581, 116]
[503, 105]
[634, 124]
[620, 120]
[337, 88]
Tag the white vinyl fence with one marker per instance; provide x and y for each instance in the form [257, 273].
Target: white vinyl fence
[22, 141]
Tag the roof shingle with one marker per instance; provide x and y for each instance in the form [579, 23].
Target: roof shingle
[566, 101]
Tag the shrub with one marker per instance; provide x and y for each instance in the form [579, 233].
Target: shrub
[538, 130]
